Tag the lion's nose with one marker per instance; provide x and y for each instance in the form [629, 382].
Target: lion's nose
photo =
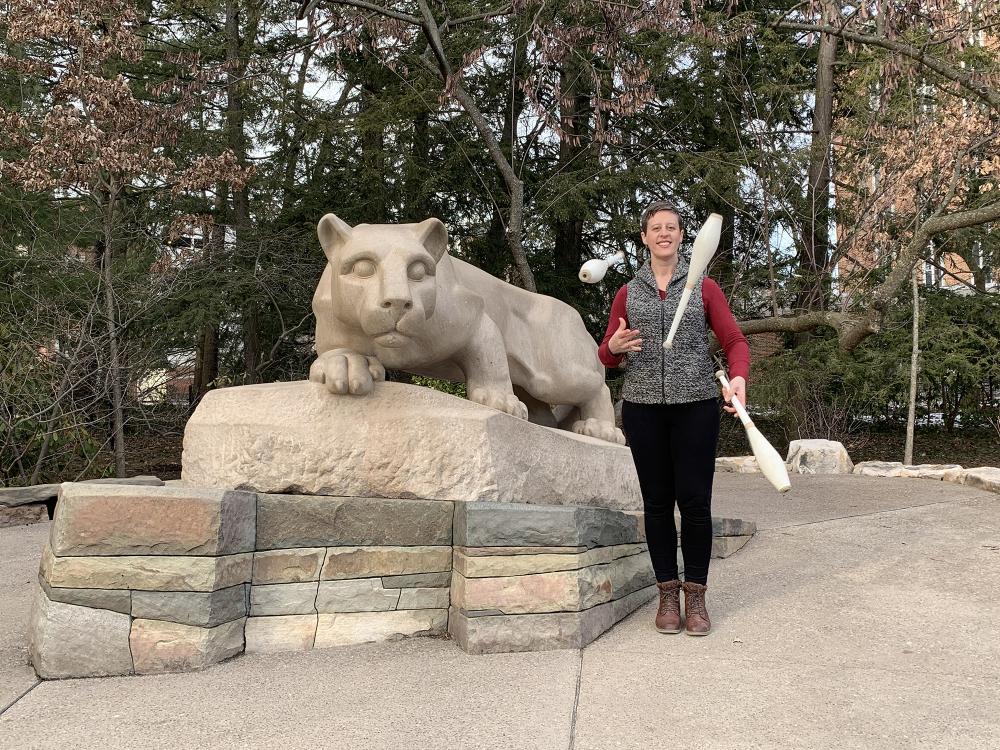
[397, 303]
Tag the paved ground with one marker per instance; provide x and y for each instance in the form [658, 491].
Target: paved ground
[864, 614]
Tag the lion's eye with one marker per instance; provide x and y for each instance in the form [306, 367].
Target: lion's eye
[417, 271]
[363, 268]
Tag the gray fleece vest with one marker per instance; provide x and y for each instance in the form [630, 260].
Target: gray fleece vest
[667, 376]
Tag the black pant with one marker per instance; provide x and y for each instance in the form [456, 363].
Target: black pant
[673, 446]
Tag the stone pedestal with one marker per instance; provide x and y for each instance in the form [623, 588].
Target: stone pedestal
[415, 513]
[401, 441]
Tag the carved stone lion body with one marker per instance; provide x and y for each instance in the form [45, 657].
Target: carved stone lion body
[391, 296]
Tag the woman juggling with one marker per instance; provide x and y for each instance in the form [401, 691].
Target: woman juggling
[670, 410]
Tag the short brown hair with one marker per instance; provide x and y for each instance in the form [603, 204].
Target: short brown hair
[654, 208]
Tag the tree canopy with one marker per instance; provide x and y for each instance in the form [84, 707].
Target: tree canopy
[165, 164]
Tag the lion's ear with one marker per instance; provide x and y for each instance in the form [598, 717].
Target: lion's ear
[333, 234]
[433, 236]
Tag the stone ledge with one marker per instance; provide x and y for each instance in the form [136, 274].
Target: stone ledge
[898, 469]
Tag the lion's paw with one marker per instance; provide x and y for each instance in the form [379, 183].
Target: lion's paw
[499, 400]
[343, 371]
[599, 429]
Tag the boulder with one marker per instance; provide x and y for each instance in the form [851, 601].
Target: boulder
[818, 457]
[401, 441]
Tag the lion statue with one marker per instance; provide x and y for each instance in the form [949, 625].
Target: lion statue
[392, 297]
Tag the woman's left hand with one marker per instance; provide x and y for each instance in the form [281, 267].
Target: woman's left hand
[737, 387]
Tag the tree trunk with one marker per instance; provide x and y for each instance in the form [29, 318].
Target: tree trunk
[814, 254]
[236, 140]
[417, 207]
[914, 362]
[111, 318]
[574, 124]
[372, 137]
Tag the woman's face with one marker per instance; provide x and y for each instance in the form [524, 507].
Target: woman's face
[663, 235]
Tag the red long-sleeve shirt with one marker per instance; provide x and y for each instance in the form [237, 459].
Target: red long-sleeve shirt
[718, 316]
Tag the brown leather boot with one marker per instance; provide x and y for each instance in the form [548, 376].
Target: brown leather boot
[668, 615]
[695, 612]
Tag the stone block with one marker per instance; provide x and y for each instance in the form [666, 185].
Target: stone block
[541, 632]
[21, 515]
[266, 437]
[482, 524]
[485, 566]
[358, 595]
[737, 464]
[147, 573]
[818, 457]
[732, 527]
[418, 580]
[66, 640]
[283, 599]
[724, 546]
[205, 609]
[288, 565]
[954, 475]
[423, 599]
[41, 493]
[983, 477]
[285, 633]
[94, 519]
[560, 591]
[287, 521]
[364, 562]
[898, 469]
[159, 646]
[346, 628]
[112, 599]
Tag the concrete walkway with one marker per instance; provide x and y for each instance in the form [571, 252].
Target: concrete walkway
[864, 614]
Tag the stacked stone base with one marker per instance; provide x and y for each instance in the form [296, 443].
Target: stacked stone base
[529, 578]
[145, 580]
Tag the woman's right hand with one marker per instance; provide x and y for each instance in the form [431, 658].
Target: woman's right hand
[624, 339]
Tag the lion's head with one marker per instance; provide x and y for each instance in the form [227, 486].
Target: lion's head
[384, 275]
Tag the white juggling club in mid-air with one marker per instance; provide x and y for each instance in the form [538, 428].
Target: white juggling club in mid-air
[704, 248]
[768, 460]
[593, 270]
